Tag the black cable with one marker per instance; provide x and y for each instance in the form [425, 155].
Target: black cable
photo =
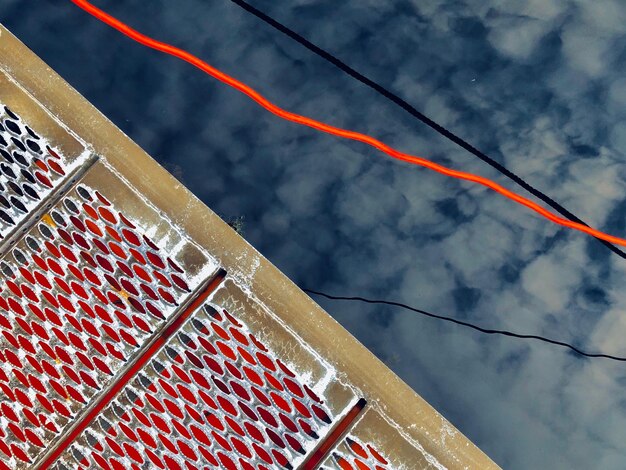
[423, 118]
[470, 325]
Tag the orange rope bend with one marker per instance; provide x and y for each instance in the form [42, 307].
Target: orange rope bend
[258, 98]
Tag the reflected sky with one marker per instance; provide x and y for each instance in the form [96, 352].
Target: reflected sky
[539, 85]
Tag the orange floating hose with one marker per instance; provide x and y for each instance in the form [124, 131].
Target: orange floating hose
[347, 134]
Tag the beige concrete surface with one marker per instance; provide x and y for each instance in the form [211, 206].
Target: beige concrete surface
[400, 422]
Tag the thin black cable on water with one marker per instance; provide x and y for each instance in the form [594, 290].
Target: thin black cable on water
[480, 329]
[463, 144]
[415, 113]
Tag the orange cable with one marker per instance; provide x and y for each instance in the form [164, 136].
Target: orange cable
[303, 120]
